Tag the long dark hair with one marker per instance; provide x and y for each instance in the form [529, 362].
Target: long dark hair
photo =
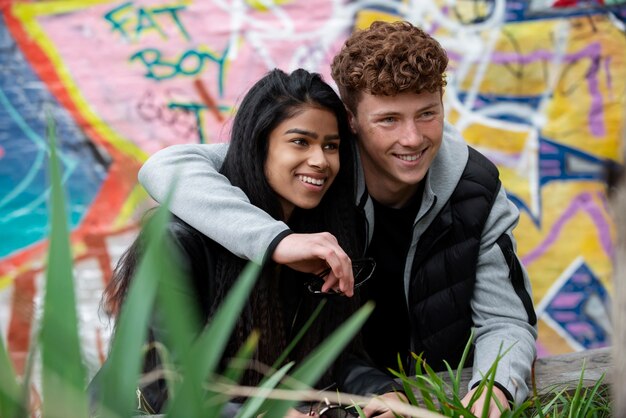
[271, 100]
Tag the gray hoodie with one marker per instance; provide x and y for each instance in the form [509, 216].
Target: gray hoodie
[500, 319]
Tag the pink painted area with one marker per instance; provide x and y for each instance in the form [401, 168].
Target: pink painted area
[580, 329]
[582, 278]
[565, 316]
[135, 107]
[566, 300]
[2, 152]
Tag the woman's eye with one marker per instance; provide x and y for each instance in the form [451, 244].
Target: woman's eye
[299, 141]
[331, 146]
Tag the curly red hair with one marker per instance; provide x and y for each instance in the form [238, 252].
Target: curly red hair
[386, 59]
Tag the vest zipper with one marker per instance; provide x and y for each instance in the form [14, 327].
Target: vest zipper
[409, 263]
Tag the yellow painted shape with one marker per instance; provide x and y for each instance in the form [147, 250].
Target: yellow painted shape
[578, 236]
[261, 6]
[568, 100]
[551, 340]
[524, 78]
[55, 7]
[5, 281]
[138, 198]
[503, 140]
[365, 18]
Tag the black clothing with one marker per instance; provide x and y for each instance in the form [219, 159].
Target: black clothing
[443, 271]
[390, 244]
[352, 373]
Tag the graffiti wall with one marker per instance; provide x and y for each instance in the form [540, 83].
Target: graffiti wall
[537, 86]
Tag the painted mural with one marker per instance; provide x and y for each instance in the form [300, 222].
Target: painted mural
[538, 86]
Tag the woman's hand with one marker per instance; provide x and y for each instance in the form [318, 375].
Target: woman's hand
[313, 253]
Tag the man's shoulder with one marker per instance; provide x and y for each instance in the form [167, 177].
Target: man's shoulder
[479, 162]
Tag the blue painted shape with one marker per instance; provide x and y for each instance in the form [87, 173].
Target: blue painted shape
[570, 308]
[555, 163]
[24, 101]
[520, 10]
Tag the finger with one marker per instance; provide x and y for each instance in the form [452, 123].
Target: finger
[494, 411]
[369, 411]
[333, 284]
[477, 408]
[330, 282]
[341, 266]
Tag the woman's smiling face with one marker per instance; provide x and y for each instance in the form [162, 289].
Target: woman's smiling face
[303, 158]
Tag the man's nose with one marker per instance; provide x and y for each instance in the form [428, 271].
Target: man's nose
[411, 136]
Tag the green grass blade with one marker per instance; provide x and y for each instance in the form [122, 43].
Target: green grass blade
[406, 386]
[122, 369]
[27, 376]
[233, 374]
[593, 399]
[177, 319]
[577, 398]
[237, 366]
[313, 367]
[10, 406]
[421, 380]
[457, 379]
[206, 352]
[63, 371]
[300, 334]
[439, 389]
[253, 404]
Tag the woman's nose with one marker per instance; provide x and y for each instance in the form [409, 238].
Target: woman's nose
[317, 158]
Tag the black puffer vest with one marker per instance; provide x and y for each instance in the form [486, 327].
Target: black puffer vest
[444, 268]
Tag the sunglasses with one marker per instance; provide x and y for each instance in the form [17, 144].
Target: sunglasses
[333, 410]
[362, 270]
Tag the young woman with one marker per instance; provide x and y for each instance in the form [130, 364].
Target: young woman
[289, 138]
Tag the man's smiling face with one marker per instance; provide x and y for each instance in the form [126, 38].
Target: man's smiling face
[398, 137]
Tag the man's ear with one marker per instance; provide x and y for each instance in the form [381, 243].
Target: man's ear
[351, 121]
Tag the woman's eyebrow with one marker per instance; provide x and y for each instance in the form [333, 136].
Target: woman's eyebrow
[301, 132]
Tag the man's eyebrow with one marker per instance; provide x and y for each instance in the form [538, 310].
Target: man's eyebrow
[386, 113]
[428, 106]
[393, 112]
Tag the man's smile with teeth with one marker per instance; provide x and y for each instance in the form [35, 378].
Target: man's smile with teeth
[409, 157]
[311, 180]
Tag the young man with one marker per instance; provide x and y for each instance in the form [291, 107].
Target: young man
[438, 222]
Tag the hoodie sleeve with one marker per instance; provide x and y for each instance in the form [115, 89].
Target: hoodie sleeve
[206, 200]
[502, 308]
[359, 376]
